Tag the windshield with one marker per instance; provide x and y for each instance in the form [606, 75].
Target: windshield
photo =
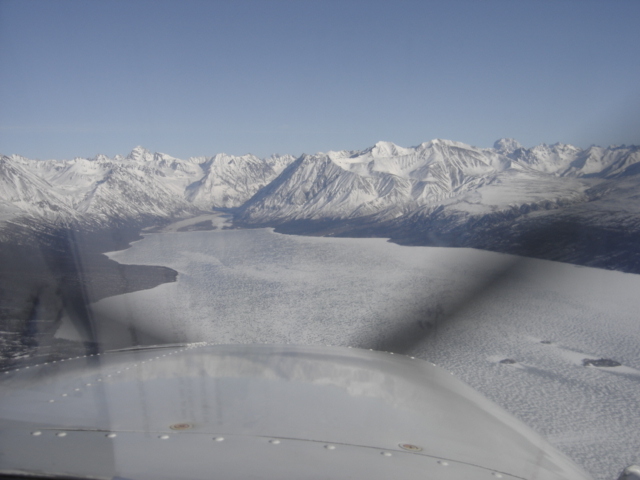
[406, 227]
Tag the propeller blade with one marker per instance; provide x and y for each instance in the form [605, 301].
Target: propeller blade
[403, 337]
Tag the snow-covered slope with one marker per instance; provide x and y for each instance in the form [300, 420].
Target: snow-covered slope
[385, 179]
[567, 160]
[230, 181]
[389, 181]
[23, 192]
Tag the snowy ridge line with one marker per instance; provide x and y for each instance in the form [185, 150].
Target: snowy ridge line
[385, 180]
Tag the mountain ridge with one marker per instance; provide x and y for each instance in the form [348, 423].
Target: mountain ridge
[440, 192]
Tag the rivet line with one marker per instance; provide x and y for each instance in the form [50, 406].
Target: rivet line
[219, 439]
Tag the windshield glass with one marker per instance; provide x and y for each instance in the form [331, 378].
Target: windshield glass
[513, 266]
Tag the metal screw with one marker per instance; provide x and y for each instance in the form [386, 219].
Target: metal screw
[181, 426]
[410, 447]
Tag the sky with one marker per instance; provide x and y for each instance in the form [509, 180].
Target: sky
[192, 78]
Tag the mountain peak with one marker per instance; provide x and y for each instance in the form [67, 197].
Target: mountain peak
[441, 141]
[387, 149]
[507, 145]
[384, 148]
[140, 153]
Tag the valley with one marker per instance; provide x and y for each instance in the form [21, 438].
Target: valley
[555, 202]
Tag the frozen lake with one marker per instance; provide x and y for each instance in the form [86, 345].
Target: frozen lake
[544, 318]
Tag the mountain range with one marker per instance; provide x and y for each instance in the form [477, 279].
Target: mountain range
[556, 201]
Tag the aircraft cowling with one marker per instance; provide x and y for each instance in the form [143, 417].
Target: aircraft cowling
[261, 411]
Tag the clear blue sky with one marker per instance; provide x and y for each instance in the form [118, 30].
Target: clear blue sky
[192, 77]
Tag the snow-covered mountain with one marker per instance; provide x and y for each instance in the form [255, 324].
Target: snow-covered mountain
[557, 202]
[438, 192]
[567, 160]
[140, 184]
[230, 181]
[388, 181]
[23, 192]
